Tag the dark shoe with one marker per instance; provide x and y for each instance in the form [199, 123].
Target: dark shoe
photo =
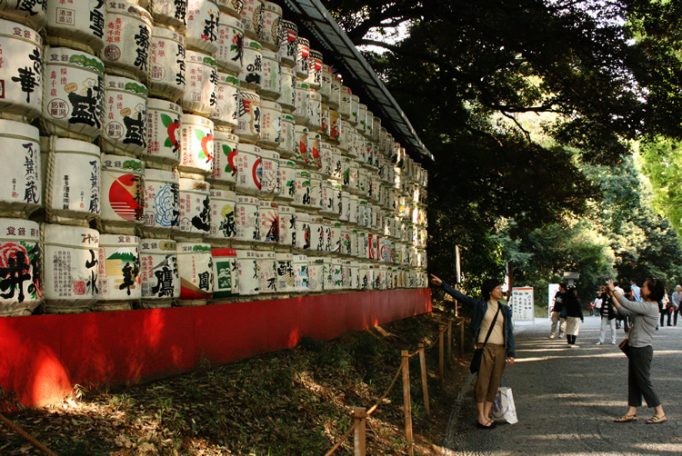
[483, 426]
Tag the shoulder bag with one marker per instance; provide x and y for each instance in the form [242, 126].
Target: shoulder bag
[475, 365]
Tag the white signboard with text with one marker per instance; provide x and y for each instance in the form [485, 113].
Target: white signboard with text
[522, 304]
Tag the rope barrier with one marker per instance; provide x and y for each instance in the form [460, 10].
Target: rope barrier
[16, 428]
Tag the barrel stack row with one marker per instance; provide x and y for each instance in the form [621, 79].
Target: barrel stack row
[185, 152]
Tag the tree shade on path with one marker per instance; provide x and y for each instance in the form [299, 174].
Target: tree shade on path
[566, 400]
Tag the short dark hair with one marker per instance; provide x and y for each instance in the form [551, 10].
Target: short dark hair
[488, 286]
[563, 285]
[656, 288]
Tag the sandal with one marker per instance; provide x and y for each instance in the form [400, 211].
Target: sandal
[625, 419]
[657, 419]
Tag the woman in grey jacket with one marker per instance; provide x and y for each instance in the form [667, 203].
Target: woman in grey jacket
[644, 315]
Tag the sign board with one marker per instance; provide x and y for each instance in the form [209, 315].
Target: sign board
[552, 288]
[522, 304]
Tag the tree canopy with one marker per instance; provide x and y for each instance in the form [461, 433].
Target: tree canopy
[590, 76]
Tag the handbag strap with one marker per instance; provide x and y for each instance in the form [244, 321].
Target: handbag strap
[492, 325]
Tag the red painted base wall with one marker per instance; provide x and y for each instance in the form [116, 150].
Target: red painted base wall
[42, 357]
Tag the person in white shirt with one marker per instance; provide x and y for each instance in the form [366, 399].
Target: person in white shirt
[676, 300]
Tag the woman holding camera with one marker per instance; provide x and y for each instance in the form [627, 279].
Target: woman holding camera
[639, 348]
[492, 330]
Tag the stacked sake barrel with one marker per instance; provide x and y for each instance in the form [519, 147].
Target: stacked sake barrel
[185, 152]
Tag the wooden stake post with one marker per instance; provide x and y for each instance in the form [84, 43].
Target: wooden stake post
[407, 401]
[425, 385]
[441, 354]
[450, 340]
[359, 438]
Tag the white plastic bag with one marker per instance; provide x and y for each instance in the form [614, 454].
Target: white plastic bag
[503, 407]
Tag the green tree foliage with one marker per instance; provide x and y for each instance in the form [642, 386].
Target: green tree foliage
[662, 164]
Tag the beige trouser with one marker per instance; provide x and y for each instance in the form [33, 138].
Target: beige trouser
[562, 325]
[490, 374]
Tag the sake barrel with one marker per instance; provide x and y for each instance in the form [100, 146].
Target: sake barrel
[125, 108]
[302, 91]
[70, 267]
[354, 209]
[251, 16]
[268, 219]
[302, 238]
[288, 43]
[21, 72]
[248, 274]
[29, 12]
[197, 147]
[369, 126]
[270, 172]
[225, 280]
[195, 268]
[223, 217]
[251, 72]
[121, 192]
[231, 7]
[161, 197]
[314, 145]
[300, 266]
[373, 245]
[230, 41]
[363, 182]
[333, 236]
[287, 137]
[286, 277]
[269, 34]
[302, 58]
[287, 179]
[267, 271]
[249, 116]
[225, 160]
[167, 64]
[324, 125]
[335, 93]
[385, 253]
[248, 226]
[344, 214]
[73, 180]
[302, 190]
[287, 225]
[302, 144]
[344, 102]
[159, 272]
[78, 24]
[362, 118]
[119, 278]
[314, 76]
[203, 17]
[364, 213]
[20, 262]
[315, 274]
[330, 203]
[271, 124]
[348, 241]
[327, 274]
[314, 115]
[162, 132]
[326, 76]
[337, 165]
[354, 110]
[347, 275]
[127, 36]
[287, 92]
[21, 191]
[200, 87]
[249, 169]
[226, 108]
[317, 241]
[270, 84]
[344, 136]
[171, 14]
[376, 129]
[73, 94]
[195, 210]
[326, 158]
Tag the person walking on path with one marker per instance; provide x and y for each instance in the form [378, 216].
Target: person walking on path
[640, 349]
[608, 317]
[558, 316]
[676, 299]
[499, 349]
[574, 316]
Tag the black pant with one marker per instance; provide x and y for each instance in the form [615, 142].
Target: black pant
[639, 377]
[571, 339]
[665, 312]
[677, 311]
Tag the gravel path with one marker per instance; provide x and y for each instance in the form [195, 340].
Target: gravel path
[567, 398]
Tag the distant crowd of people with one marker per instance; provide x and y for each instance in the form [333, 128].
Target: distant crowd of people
[567, 314]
